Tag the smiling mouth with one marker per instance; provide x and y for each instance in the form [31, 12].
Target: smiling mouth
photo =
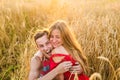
[48, 51]
[54, 44]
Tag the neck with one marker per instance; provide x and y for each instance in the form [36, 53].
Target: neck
[47, 56]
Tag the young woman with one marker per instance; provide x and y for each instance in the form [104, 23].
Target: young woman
[66, 48]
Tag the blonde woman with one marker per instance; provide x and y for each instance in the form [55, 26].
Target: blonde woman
[66, 48]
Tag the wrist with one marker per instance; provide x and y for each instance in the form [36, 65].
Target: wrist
[56, 71]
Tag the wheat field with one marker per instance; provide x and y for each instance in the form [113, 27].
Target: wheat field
[96, 24]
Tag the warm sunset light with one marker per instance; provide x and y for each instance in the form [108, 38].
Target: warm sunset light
[96, 24]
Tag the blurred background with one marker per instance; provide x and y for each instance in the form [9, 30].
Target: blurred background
[96, 24]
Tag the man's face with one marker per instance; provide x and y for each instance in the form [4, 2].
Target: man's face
[44, 44]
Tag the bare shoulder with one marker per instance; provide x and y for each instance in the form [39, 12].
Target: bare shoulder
[35, 62]
[35, 66]
[39, 54]
[37, 57]
[60, 50]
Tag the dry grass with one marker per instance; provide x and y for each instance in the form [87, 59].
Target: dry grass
[96, 24]
[95, 76]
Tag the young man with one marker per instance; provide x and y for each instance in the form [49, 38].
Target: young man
[41, 59]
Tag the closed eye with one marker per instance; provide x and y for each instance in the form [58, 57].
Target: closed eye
[40, 46]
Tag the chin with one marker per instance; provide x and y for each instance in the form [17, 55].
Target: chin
[55, 46]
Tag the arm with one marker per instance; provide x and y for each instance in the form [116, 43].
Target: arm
[61, 68]
[35, 68]
[57, 59]
[76, 68]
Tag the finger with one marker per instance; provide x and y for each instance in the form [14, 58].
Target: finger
[75, 67]
[77, 71]
[69, 66]
[66, 68]
[76, 62]
[68, 63]
[73, 70]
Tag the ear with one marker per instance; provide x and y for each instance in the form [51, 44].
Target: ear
[37, 47]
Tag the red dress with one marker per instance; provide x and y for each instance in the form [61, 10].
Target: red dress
[66, 74]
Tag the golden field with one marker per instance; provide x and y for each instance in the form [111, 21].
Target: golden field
[96, 24]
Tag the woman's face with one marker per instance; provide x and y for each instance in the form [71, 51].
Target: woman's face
[55, 38]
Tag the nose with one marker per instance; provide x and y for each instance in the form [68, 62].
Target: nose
[45, 48]
[53, 39]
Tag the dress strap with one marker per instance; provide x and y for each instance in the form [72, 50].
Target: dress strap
[59, 54]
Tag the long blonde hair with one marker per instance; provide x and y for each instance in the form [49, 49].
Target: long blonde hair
[70, 43]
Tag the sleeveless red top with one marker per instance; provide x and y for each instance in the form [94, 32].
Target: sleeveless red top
[66, 74]
[46, 67]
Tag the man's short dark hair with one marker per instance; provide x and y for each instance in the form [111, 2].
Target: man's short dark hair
[39, 34]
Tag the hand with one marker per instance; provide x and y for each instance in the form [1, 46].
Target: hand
[63, 67]
[76, 68]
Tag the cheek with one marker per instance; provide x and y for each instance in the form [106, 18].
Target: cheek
[50, 39]
[38, 47]
[49, 45]
[60, 41]
[41, 49]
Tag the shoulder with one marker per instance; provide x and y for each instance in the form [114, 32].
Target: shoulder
[60, 50]
[59, 54]
[36, 60]
[37, 57]
[35, 65]
[39, 54]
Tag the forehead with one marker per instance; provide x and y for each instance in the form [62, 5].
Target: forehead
[55, 32]
[42, 40]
